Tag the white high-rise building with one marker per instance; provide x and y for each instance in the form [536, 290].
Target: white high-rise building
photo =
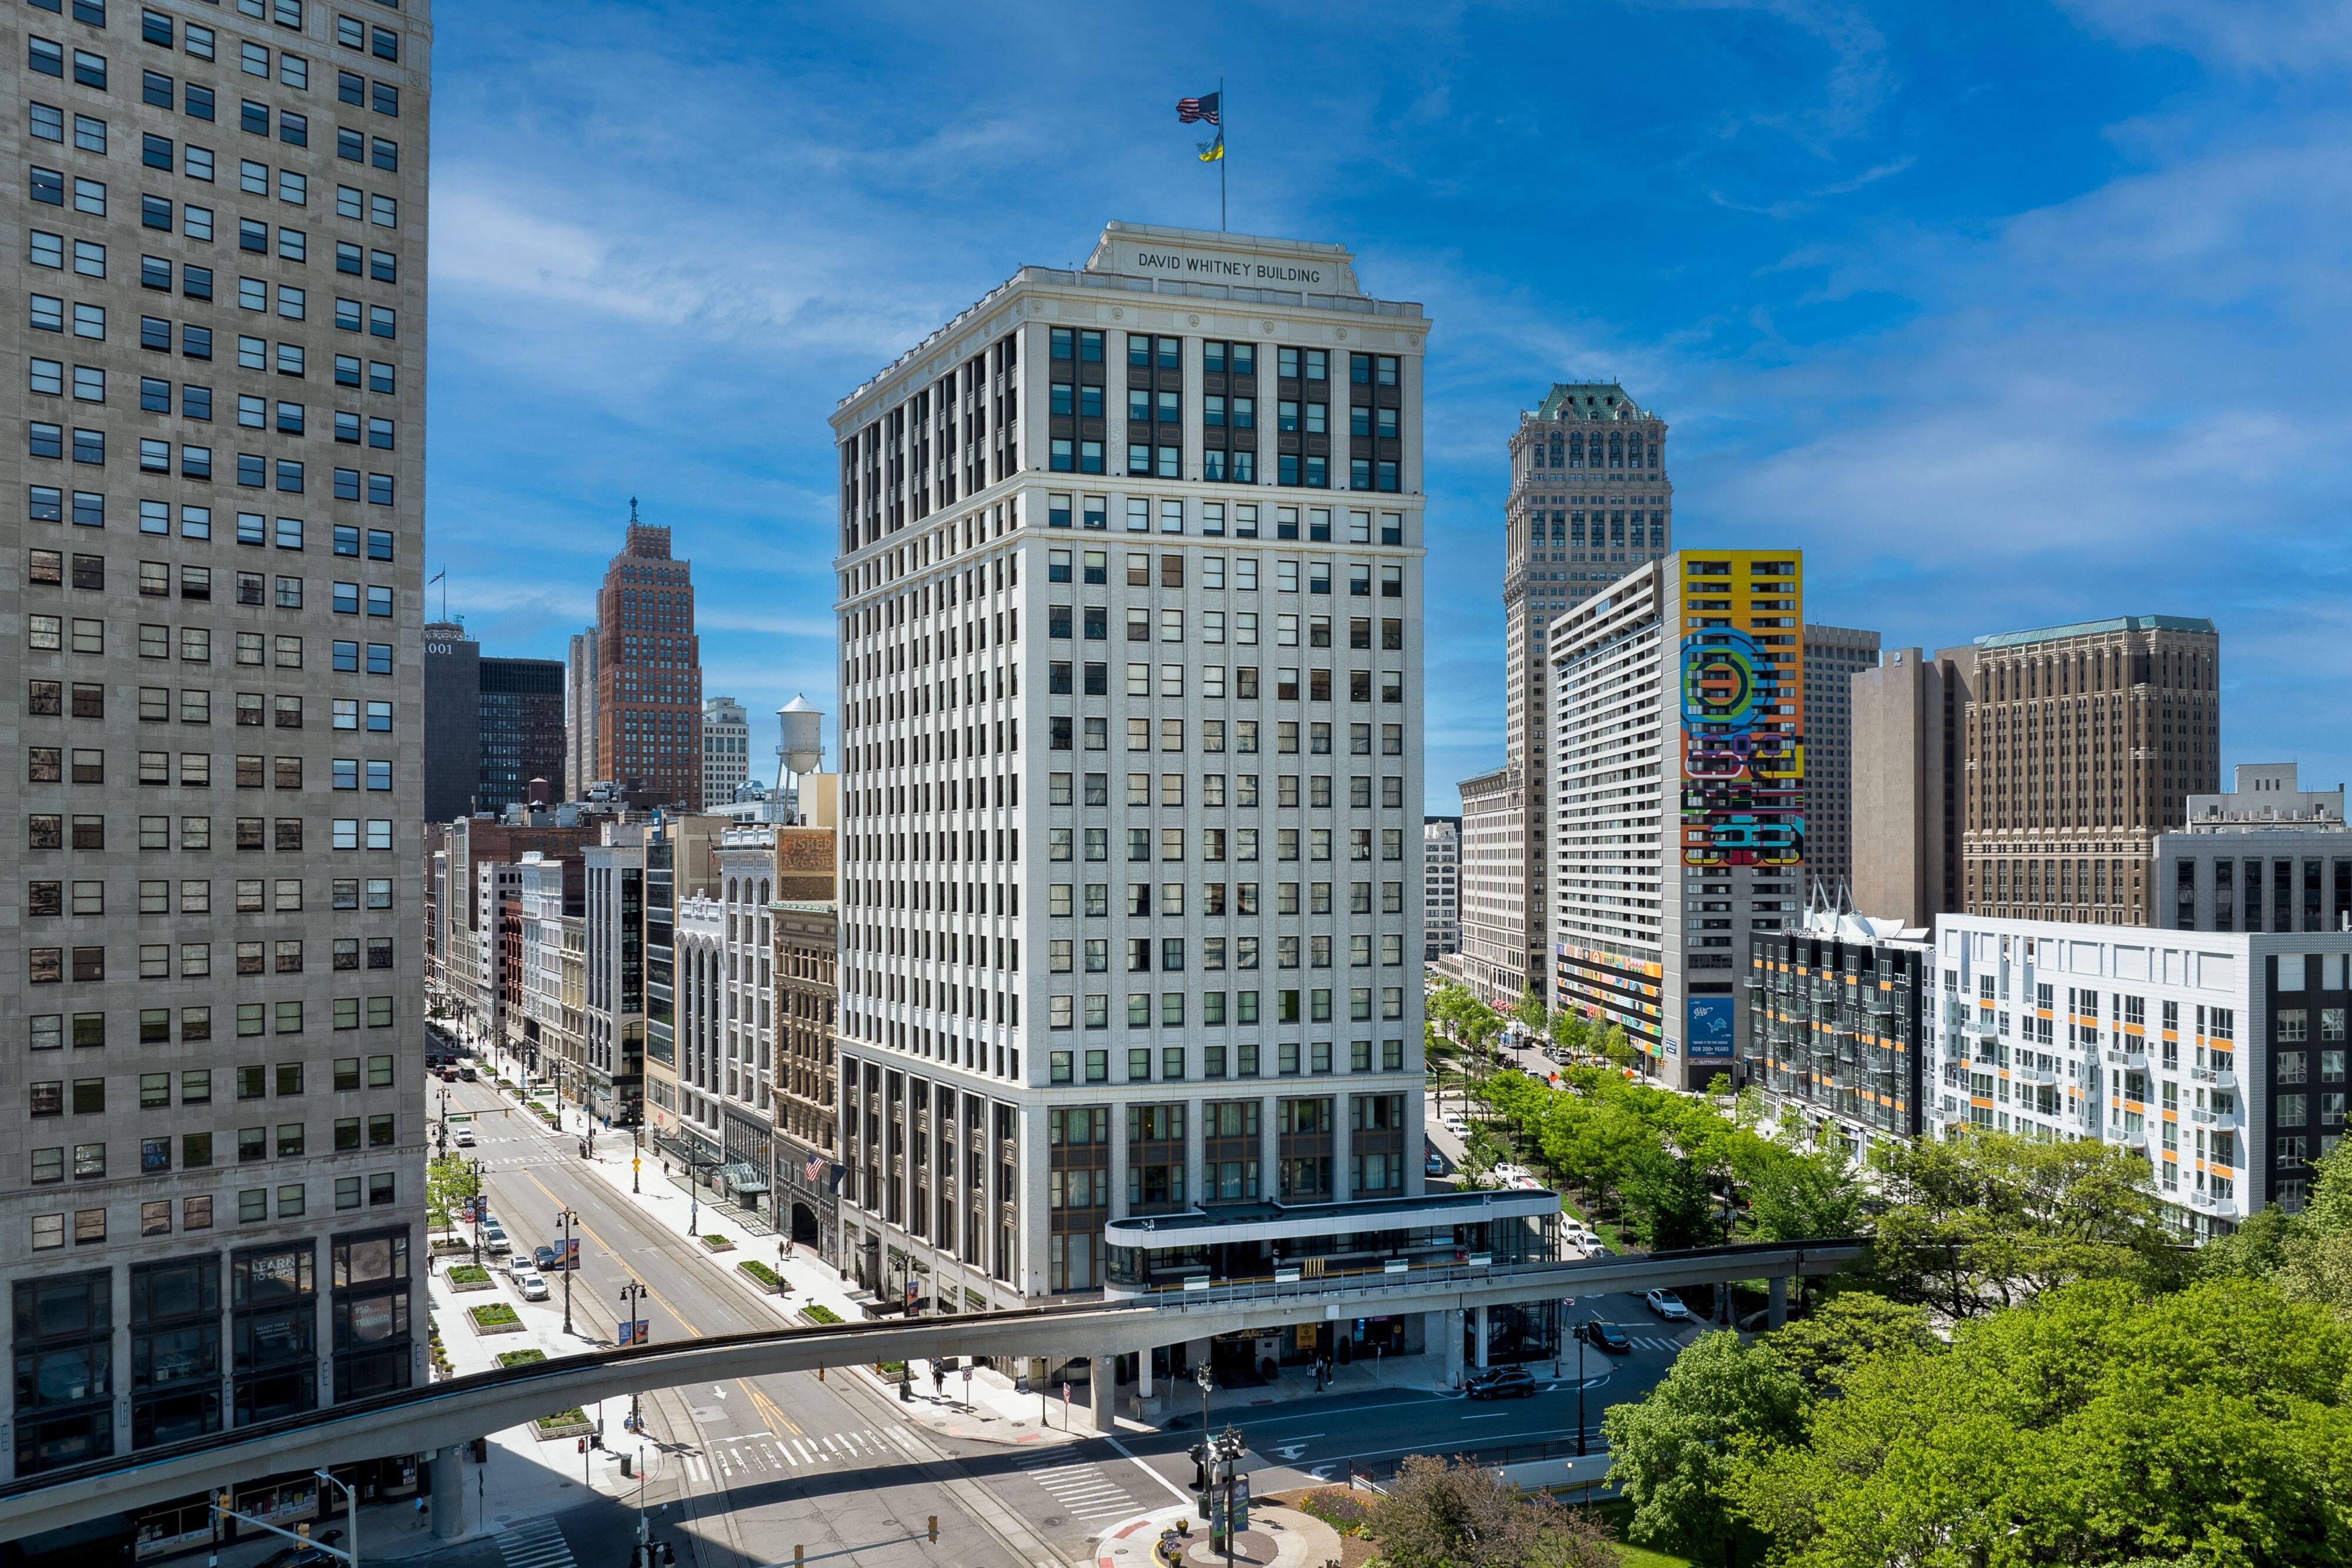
[1130, 784]
[726, 751]
[212, 1190]
[582, 764]
[1678, 795]
[1441, 887]
[2218, 1057]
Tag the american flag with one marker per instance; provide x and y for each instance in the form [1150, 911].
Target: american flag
[1189, 109]
[815, 1165]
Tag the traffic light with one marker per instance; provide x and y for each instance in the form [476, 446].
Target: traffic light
[934, 1529]
[584, 1446]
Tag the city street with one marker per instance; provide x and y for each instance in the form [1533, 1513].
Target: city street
[749, 1470]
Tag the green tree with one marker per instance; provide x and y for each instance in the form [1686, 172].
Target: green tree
[1986, 1220]
[1439, 1052]
[2314, 1261]
[1456, 1514]
[2093, 1426]
[1674, 1453]
[1669, 1199]
[1529, 1012]
[1802, 1196]
[1845, 1332]
[449, 1186]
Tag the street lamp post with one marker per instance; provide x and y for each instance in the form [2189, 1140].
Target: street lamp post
[477, 1211]
[636, 1157]
[1207, 1380]
[351, 1514]
[632, 1295]
[567, 1219]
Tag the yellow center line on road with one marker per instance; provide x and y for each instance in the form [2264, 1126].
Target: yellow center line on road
[772, 1415]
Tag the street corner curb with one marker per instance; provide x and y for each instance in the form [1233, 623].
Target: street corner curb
[1129, 1544]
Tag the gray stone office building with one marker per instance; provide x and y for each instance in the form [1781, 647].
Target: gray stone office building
[211, 1173]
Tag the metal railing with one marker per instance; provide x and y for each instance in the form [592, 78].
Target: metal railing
[1345, 1283]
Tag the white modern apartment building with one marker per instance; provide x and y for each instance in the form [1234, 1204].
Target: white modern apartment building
[210, 1189]
[1677, 801]
[1130, 602]
[2220, 1056]
[726, 751]
[1441, 887]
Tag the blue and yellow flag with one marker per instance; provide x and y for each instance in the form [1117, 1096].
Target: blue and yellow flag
[1214, 151]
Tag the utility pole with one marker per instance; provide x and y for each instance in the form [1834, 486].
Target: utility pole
[477, 1211]
[565, 1259]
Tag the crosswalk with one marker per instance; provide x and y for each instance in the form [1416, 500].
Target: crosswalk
[535, 1543]
[1655, 1342]
[764, 1453]
[1086, 1492]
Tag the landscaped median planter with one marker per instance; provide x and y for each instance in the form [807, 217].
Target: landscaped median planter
[759, 1274]
[817, 1316]
[521, 1357]
[572, 1423]
[498, 1319]
[714, 1242]
[469, 1277]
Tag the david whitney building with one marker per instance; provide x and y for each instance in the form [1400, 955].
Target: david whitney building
[1131, 788]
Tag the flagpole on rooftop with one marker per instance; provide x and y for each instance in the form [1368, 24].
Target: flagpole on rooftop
[1221, 159]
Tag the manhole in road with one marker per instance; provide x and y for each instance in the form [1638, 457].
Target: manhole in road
[1056, 1519]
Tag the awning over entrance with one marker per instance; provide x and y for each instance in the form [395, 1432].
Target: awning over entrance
[744, 1178]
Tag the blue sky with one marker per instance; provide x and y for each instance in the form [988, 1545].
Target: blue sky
[2007, 314]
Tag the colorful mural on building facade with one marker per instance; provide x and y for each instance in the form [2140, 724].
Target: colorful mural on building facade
[1743, 750]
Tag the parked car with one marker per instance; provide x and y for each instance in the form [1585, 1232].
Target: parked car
[1500, 1382]
[1666, 1304]
[533, 1288]
[545, 1258]
[517, 1265]
[494, 1237]
[1603, 1336]
[448, 1075]
[465, 1075]
[1432, 1164]
[1453, 1123]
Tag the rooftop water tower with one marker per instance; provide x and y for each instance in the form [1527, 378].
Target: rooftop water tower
[801, 746]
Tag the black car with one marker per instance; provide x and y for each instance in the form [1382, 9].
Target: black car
[1500, 1382]
[1604, 1337]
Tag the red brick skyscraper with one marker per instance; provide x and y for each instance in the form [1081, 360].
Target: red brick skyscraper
[649, 672]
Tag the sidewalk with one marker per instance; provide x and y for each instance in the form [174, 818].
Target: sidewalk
[994, 1412]
[986, 1408]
